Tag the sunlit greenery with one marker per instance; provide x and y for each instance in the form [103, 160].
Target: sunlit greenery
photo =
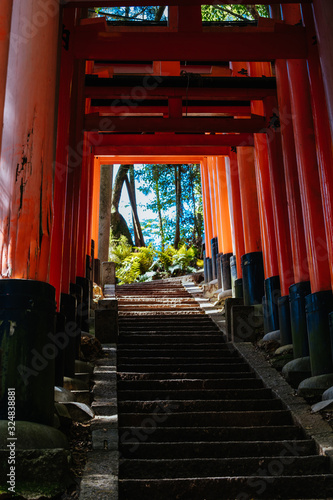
[147, 263]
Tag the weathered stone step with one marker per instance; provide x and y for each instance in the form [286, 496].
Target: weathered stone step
[196, 434]
[159, 307]
[199, 405]
[207, 467]
[186, 367]
[165, 352]
[175, 320]
[213, 419]
[190, 384]
[240, 487]
[226, 349]
[171, 339]
[210, 394]
[166, 360]
[231, 449]
[169, 330]
[155, 376]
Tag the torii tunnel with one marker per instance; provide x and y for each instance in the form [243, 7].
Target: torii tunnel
[251, 102]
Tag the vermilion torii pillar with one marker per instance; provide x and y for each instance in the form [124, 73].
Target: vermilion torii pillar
[322, 131]
[224, 221]
[252, 263]
[235, 200]
[207, 218]
[319, 303]
[301, 285]
[5, 21]
[213, 191]
[323, 15]
[62, 152]
[27, 160]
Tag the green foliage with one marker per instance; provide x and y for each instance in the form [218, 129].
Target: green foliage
[120, 249]
[147, 264]
[164, 201]
[135, 263]
[233, 12]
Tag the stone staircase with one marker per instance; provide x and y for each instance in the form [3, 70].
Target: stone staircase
[195, 422]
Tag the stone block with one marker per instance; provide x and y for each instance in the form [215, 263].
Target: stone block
[108, 273]
[108, 304]
[106, 326]
[228, 304]
[247, 323]
[296, 371]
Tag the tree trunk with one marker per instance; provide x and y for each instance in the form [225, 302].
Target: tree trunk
[105, 212]
[118, 223]
[159, 205]
[178, 204]
[131, 187]
[139, 240]
[253, 11]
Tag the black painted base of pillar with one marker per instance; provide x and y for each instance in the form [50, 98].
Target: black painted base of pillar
[59, 360]
[205, 270]
[68, 309]
[214, 247]
[27, 319]
[299, 330]
[239, 288]
[233, 273]
[253, 278]
[284, 320]
[84, 313]
[219, 270]
[318, 306]
[271, 311]
[226, 271]
[209, 270]
[77, 292]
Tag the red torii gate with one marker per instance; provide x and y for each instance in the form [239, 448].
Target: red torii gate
[280, 151]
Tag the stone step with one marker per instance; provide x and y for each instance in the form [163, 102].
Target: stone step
[200, 384]
[221, 434]
[172, 339]
[232, 449]
[210, 394]
[199, 405]
[226, 349]
[213, 419]
[185, 367]
[208, 467]
[169, 330]
[138, 354]
[172, 320]
[156, 375]
[166, 360]
[240, 487]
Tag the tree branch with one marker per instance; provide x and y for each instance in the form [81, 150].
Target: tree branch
[229, 11]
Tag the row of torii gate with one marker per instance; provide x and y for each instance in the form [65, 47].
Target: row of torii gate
[251, 102]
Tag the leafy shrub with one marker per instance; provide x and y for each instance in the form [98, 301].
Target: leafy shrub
[147, 264]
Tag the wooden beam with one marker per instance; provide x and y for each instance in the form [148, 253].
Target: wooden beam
[155, 3]
[151, 90]
[134, 151]
[180, 125]
[226, 45]
[170, 140]
[149, 110]
[148, 159]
